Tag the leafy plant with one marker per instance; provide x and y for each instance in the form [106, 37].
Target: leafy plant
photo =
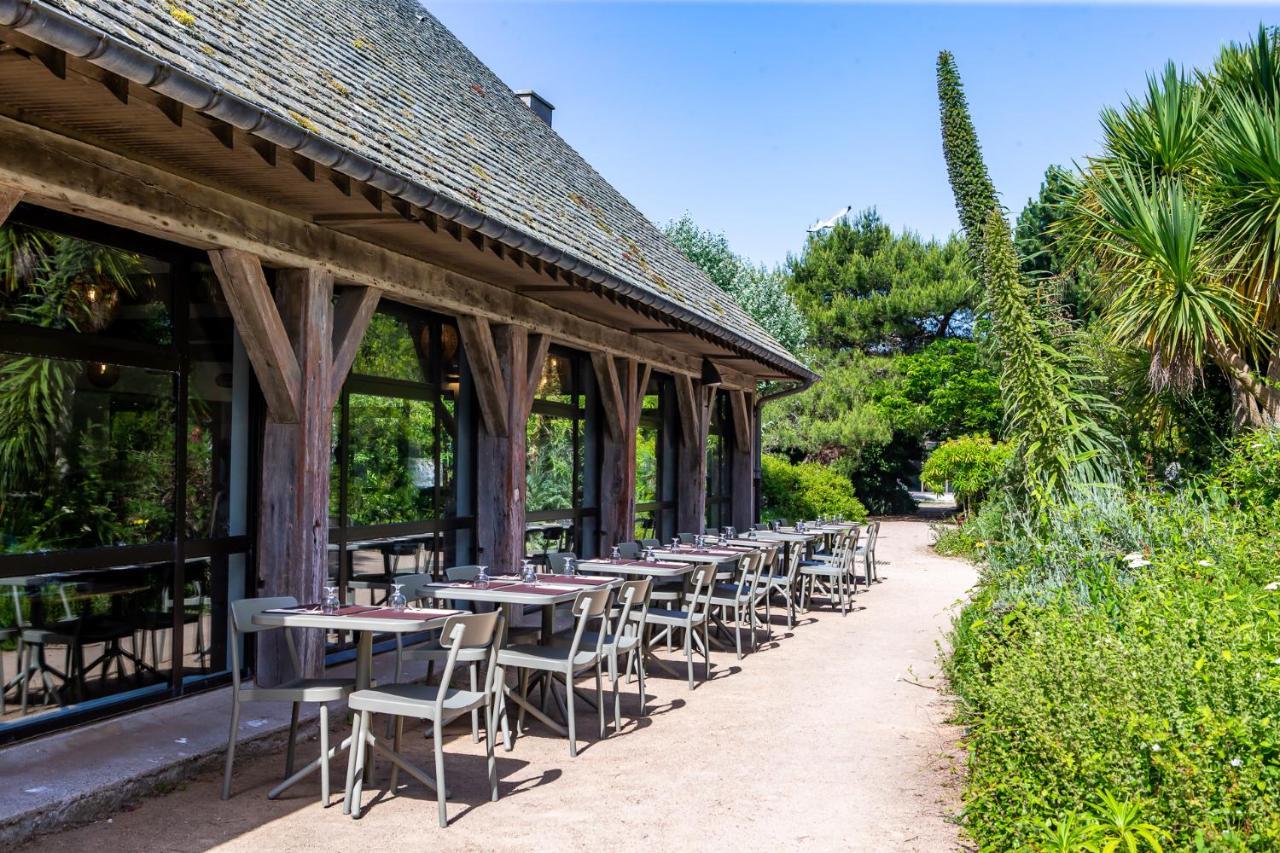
[970, 464]
[806, 491]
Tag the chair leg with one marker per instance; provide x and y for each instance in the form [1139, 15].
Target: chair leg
[615, 677]
[490, 727]
[360, 751]
[398, 735]
[293, 740]
[599, 698]
[475, 714]
[352, 754]
[231, 748]
[737, 629]
[644, 712]
[688, 653]
[706, 651]
[24, 663]
[324, 755]
[438, 742]
[568, 712]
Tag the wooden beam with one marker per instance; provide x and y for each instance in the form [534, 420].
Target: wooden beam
[118, 86]
[486, 370]
[266, 150]
[351, 318]
[332, 220]
[636, 404]
[265, 340]
[611, 399]
[9, 198]
[172, 109]
[67, 175]
[539, 345]
[224, 133]
[688, 407]
[741, 419]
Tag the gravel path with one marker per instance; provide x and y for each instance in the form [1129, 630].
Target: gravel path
[832, 738]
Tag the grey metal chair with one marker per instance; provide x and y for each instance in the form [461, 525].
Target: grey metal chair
[689, 619]
[556, 561]
[568, 660]
[832, 577]
[867, 551]
[476, 632]
[686, 538]
[34, 642]
[650, 543]
[622, 640]
[738, 596]
[629, 550]
[297, 690]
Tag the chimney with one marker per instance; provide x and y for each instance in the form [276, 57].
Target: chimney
[541, 107]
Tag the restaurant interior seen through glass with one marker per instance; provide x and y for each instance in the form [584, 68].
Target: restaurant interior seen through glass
[129, 429]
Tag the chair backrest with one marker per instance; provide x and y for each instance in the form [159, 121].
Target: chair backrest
[470, 631]
[462, 573]
[873, 533]
[556, 560]
[650, 543]
[760, 526]
[685, 538]
[242, 613]
[795, 553]
[634, 596]
[700, 583]
[629, 550]
[413, 585]
[590, 605]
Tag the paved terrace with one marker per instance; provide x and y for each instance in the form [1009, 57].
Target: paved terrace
[833, 738]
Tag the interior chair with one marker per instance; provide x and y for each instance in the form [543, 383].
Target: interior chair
[296, 690]
[690, 618]
[567, 660]
[33, 645]
[467, 635]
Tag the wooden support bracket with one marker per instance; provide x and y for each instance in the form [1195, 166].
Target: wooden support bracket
[539, 345]
[9, 198]
[265, 340]
[351, 319]
[611, 399]
[486, 370]
[741, 419]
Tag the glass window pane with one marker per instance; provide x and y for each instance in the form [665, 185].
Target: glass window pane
[86, 454]
[58, 282]
[393, 476]
[550, 463]
[393, 348]
[211, 384]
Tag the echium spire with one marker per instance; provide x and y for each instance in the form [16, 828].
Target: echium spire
[974, 192]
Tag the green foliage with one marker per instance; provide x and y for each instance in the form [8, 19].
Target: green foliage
[806, 491]
[967, 172]
[1126, 640]
[863, 287]
[971, 464]
[942, 391]
[760, 291]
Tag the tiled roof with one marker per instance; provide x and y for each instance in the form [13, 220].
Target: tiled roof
[386, 81]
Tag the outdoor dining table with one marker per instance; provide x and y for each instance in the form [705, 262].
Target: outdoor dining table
[658, 569]
[364, 622]
[510, 592]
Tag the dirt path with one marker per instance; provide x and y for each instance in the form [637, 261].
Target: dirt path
[823, 740]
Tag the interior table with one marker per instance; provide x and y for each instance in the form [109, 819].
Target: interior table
[364, 622]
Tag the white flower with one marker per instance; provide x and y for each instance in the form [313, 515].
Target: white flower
[1204, 562]
[1137, 564]
[1273, 586]
[1235, 762]
[1132, 555]
[1155, 747]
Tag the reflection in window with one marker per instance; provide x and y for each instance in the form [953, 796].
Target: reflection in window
[719, 478]
[392, 457]
[555, 455]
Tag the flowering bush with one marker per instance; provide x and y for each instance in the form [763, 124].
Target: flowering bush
[1128, 643]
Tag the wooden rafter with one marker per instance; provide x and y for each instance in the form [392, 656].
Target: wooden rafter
[482, 355]
[539, 346]
[638, 380]
[351, 318]
[265, 340]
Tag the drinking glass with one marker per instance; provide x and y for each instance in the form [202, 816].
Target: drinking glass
[397, 600]
[570, 565]
[482, 576]
[614, 554]
[527, 574]
[649, 556]
[329, 604]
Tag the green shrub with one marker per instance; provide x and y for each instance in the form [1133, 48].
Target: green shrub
[972, 464]
[1128, 642]
[806, 490]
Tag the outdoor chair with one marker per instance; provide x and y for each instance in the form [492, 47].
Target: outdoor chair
[567, 660]
[689, 619]
[557, 560]
[629, 550]
[622, 640]
[650, 543]
[686, 538]
[867, 551]
[469, 635]
[155, 627]
[769, 574]
[297, 690]
[33, 645]
[784, 584]
[832, 576]
[738, 596]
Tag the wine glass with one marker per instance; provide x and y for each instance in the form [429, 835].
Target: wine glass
[527, 574]
[397, 600]
[615, 555]
[329, 604]
[482, 576]
[650, 556]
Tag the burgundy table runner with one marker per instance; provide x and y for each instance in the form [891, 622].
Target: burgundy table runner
[419, 616]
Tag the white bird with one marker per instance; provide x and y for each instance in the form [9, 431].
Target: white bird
[829, 223]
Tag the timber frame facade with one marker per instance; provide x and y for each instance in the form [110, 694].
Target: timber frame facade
[305, 255]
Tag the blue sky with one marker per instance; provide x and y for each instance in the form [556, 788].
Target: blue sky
[759, 119]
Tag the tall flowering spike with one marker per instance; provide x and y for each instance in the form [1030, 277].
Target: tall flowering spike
[974, 192]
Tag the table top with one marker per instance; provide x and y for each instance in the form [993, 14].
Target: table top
[357, 618]
[772, 536]
[700, 555]
[550, 589]
[639, 568]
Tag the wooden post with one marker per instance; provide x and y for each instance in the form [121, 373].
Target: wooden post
[695, 404]
[743, 459]
[622, 384]
[506, 364]
[291, 342]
